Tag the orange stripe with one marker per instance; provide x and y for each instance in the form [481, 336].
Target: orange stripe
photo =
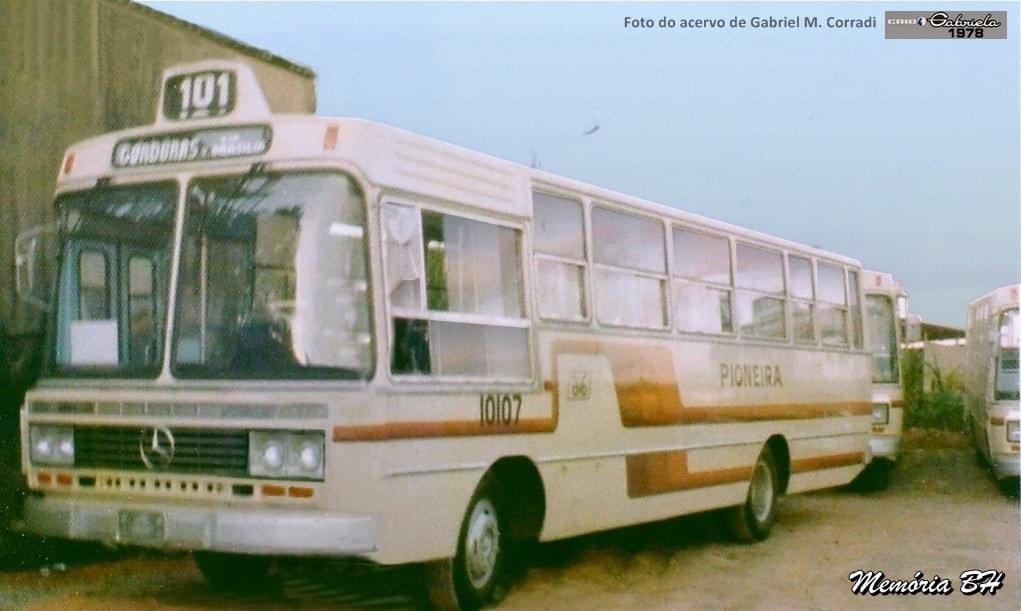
[439, 428]
[645, 381]
[817, 463]
[648, 394]
[898, 403]
[661, 472]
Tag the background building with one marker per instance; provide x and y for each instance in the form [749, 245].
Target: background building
[74, 69]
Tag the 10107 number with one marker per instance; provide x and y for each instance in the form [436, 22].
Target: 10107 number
[499, 410]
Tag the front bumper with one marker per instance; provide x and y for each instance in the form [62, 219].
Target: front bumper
[884, 446]
[193, 527]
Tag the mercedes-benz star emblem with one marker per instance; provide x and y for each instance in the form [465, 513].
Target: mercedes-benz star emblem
[156, 447]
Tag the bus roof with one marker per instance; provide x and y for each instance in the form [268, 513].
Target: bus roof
[873, 281]
[997, 298]
[217, 107]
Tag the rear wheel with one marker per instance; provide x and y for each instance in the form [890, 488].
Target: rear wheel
[471, 579]
[753, 519]
[233, 571]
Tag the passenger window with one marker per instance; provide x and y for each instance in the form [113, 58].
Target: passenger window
[142, 310]
[760, 292]
[471, 321]
[559, 257]
[630, 270]
[854, 309]
[623, 240]
[701, 285]
[832, 305]
[802, 299]
[94, 277]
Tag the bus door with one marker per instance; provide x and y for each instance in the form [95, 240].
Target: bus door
[112, 291]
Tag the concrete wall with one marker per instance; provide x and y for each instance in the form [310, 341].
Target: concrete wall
[70, 69]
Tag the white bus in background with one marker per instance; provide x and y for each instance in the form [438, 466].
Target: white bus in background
[991, 382]
[295, 335]
[885, 309]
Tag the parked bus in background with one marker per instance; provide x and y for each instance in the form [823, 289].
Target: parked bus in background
[295, 335]
[885, 312]
[991, 382]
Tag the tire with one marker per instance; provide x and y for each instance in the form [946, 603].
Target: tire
[1010, 487]
[475, 575]
[875, 477]
[233, 571]
[753, 520]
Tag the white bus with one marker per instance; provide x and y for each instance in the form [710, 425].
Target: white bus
[991, 382]
[295, 335]
[885, 313]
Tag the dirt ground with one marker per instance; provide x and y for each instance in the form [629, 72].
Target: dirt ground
[942, 515]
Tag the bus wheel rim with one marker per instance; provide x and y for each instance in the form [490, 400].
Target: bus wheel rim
[482, 544]
[761, 493]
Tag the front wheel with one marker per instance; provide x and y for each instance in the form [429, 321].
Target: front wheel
[753, 519]
[471, 578]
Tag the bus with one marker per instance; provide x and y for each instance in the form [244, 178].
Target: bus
[991, 383]
[306, 336]
[885, 317]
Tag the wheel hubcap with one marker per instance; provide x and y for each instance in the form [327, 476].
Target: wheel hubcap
[482, 544]
[761, 492]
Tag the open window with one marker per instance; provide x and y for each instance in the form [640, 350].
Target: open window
[456, 297]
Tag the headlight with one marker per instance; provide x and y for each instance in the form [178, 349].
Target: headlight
[286, 454]
[880, 413]
[1013, 431]
[51, 445]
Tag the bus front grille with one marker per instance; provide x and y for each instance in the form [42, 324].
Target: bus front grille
[178, 450]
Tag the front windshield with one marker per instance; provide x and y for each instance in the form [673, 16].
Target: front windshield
[273, 280]
[882, 335]
[112, 289]
[1007, 358]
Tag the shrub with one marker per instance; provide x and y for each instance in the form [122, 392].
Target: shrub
[942, 407]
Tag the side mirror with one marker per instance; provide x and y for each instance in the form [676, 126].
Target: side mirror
[913, 328]
[33, 264]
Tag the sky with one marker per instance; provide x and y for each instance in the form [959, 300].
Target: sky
[902, 153]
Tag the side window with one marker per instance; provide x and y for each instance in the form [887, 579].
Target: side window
[832, 305]
[854, 309]
[702, 283]
[559, 239]
[143, 315]
[630, 257]
[802, 299]
[760, 292]
[456, 298]
[94, 286]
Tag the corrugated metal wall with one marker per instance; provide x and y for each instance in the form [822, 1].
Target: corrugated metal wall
[70, 69]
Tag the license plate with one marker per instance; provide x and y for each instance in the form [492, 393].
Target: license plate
[141, 527]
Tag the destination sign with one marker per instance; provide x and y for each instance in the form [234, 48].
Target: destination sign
[195, 145]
